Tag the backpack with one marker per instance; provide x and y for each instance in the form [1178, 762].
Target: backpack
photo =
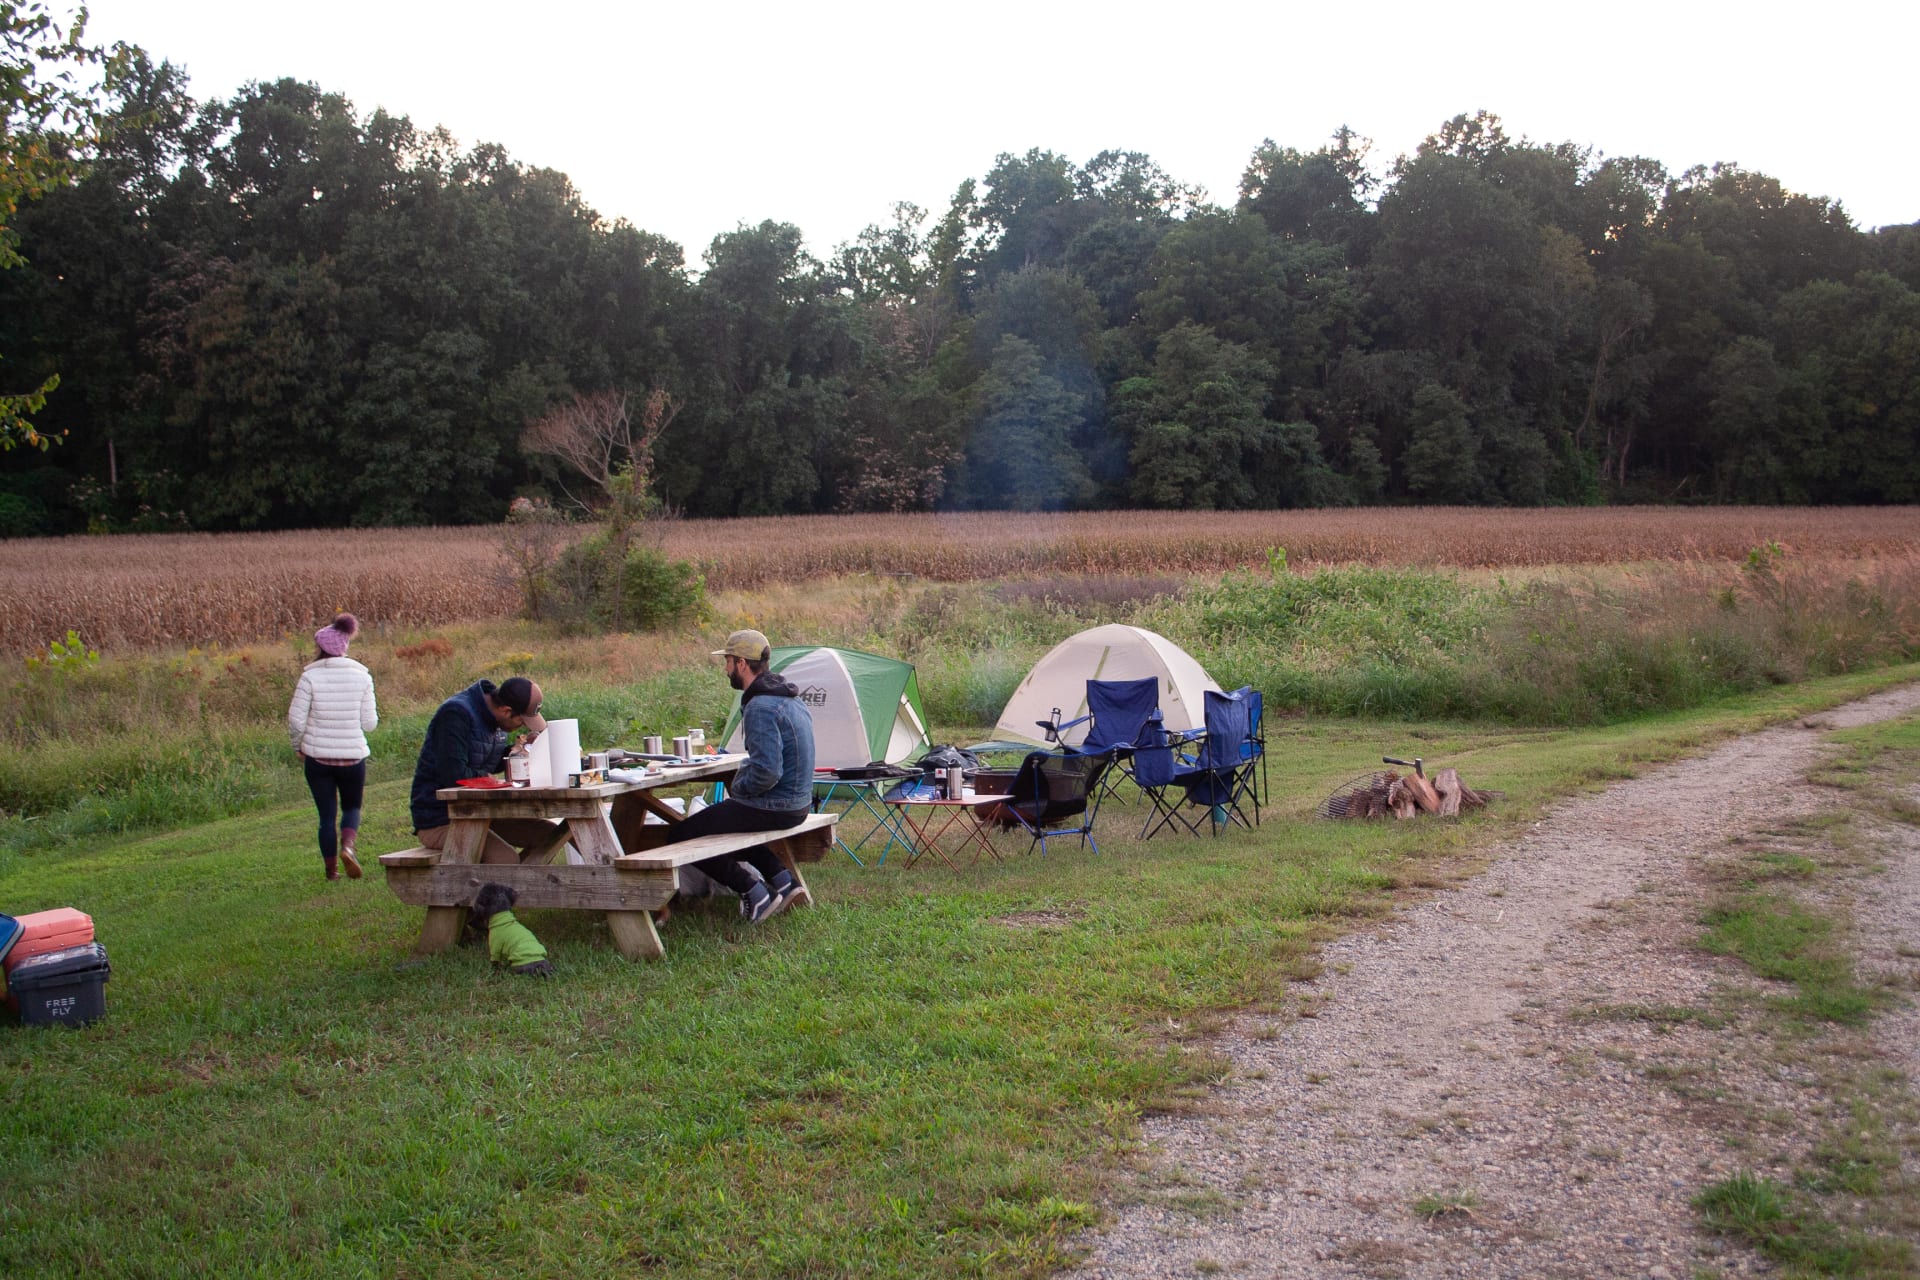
[945, 757]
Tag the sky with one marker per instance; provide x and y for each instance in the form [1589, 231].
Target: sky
[690, 119]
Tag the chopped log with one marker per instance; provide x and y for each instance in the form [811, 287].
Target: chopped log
[1407, 795]
[1422, 792]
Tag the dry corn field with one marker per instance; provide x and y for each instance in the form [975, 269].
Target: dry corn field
[155, 590]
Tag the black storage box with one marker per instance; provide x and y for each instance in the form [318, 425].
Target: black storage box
[67, 986]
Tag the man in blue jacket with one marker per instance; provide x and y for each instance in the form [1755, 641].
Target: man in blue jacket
[467, 738]
[772, 791]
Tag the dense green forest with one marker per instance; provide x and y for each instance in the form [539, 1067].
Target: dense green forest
[274, 311]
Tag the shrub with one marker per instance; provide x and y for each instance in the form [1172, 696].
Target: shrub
[432, 649]
[586, 587]
[1347, 614]
[21, 516]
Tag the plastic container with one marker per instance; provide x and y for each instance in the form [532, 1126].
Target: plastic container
[63, 988]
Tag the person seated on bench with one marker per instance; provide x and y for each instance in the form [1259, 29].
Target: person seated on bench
[467, 738]
[772, 791]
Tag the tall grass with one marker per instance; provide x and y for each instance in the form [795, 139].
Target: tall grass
[174, 590]
[137, 742]
[1565, 649]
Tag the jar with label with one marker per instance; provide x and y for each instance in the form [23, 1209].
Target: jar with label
[519, 768]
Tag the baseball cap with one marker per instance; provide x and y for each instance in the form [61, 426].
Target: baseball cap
[522, 697]
[750, 645]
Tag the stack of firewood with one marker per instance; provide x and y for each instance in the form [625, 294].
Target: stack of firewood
[1404, 795]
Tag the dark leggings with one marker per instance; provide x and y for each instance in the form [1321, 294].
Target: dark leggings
[344, 783]
[729, 817]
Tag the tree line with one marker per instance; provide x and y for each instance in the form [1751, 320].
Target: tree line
[272, 311]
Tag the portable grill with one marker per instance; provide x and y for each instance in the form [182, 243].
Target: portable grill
[1373, 785]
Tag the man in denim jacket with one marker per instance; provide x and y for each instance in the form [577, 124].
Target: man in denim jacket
[772, 791]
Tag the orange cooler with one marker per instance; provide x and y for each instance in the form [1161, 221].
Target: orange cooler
[45, 931]
[54, 930]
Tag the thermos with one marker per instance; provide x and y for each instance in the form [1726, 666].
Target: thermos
[956, 783]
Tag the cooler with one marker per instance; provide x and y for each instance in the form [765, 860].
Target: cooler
[45, 931]
[65, 987]
[39, 933]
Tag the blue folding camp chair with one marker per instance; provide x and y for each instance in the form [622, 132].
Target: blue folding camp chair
[1219, 779]
[1122, 716]
[1254, 749]
[1155, 769]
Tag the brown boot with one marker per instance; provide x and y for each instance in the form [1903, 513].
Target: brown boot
[333, 870]
[348, 858]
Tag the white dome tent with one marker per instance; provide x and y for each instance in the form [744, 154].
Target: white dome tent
[1112, 652]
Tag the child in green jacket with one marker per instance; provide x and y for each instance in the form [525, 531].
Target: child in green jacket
[509, 942]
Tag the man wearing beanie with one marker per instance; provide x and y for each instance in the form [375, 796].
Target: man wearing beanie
[772, 791]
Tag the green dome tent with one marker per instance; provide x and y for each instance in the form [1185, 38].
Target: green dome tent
[864, 707]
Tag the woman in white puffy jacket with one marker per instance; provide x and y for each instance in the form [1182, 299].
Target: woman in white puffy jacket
[331, 714]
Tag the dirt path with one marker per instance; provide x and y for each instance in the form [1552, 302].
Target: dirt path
[1471, 1055]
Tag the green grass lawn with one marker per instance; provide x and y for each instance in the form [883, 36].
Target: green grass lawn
[930, 1073]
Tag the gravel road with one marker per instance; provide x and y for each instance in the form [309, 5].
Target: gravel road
[1469, 1057]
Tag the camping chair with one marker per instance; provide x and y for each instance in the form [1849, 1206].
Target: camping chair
[1054, 789]
[1219, 779]
[1254, 749]
[1156, 769]
[1123, 714]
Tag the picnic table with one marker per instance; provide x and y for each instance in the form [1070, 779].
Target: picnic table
[626, 868]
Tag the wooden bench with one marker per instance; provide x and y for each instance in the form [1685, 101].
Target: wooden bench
[627, 889]
[807, 842]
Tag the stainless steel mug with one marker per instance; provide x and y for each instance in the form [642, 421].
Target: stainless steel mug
[652, 745]
[683, 747]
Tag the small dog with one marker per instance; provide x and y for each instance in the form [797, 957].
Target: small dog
[509, 942]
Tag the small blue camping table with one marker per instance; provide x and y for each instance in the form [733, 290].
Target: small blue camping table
[861, 793]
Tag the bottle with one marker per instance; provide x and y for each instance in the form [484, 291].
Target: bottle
[519, 767]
